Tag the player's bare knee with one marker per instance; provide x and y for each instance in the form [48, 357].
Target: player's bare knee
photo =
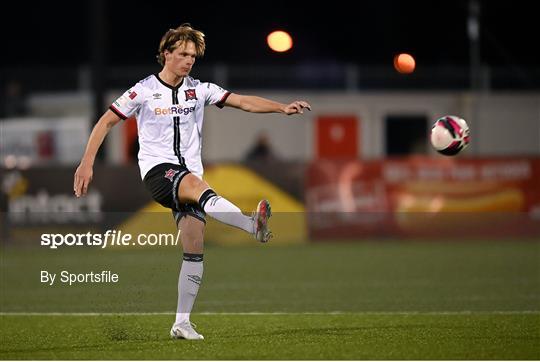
[190, 234]
[192, 242]
[190, 188]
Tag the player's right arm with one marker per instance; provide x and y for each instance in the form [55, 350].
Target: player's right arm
[83, 175]
[121, 109]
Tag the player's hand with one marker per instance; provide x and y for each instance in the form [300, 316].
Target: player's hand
[83, 177]
[297, 107]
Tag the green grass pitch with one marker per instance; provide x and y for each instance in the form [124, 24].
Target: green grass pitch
[368, 300]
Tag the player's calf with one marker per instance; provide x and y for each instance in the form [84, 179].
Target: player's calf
[223, 210]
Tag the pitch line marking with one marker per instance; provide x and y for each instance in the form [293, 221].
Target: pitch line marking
[90, 314]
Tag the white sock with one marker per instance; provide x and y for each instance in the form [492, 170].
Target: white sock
[188, 285]
[225, 211]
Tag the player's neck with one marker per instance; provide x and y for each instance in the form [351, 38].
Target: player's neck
[170, 78]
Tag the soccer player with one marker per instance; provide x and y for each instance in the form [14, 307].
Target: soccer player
[169, 108]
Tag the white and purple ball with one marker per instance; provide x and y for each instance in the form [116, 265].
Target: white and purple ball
[450, 135]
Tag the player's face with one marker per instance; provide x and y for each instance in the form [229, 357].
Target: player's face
[181, 59]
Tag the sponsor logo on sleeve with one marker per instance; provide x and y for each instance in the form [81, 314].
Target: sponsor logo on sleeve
[121, 102]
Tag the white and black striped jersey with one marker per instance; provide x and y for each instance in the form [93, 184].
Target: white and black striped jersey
[169, 120]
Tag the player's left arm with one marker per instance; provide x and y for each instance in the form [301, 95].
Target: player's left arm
[256, 104]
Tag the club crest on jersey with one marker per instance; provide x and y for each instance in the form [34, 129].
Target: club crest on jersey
[169, 174]
[190, 94]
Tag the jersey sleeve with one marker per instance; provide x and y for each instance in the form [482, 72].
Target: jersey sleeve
[129, 102]
[214, 94]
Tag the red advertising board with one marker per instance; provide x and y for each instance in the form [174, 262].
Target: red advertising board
[420, 196]
[337, 137]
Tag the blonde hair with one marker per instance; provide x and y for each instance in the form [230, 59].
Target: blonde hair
[173, 38]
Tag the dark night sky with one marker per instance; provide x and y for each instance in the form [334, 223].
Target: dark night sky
[435, 32]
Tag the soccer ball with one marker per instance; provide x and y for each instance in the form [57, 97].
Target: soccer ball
[449, 135]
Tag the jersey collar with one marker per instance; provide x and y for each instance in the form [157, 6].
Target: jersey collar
[168, 85]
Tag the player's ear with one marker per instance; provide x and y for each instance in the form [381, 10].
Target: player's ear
[167, 54]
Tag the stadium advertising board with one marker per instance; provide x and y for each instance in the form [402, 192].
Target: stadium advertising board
[42, 198]
[429, 197]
